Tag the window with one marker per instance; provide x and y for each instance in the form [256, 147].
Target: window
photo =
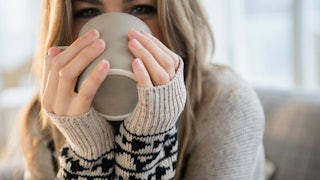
[271, 43]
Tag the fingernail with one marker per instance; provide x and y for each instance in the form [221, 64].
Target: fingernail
[52, 51]
[103, 64]
[147, 34]
[135, 34]
[92, 34]
[136, 43]
[98, 42]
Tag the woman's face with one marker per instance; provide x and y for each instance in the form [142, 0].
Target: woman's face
[146, 10]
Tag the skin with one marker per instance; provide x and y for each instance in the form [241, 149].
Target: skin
[154, 63]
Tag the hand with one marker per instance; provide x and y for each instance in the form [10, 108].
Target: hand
[155, 64]
[61, 71]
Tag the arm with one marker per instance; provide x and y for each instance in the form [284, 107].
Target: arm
[230, 140]
[88, 152]
[154, 69]
[146, 146]
[89, 138]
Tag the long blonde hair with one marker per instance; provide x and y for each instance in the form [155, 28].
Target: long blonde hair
[186, 31]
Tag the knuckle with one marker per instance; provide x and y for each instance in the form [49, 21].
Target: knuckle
[169, 64]
[56, 64]
[86, 96]
[92, 51]
[176, 59]
[162, 79]
[95, 79]
[172, 74]
[66, 74]
[83, 54]
[87, 54]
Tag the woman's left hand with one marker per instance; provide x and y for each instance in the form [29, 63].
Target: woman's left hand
[154, 64]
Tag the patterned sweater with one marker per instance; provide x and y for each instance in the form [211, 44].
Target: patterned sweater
[227, 145]
[144, 147]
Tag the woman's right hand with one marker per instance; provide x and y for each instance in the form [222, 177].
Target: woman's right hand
[61, 71]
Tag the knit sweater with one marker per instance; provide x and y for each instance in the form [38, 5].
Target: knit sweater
[230, 124]
[227, 143]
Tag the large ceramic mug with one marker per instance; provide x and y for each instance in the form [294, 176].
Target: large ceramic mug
[117, 95]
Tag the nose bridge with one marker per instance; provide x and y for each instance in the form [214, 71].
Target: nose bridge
[115, 6]
[113, 10]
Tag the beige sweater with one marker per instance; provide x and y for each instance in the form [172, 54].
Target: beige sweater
[228, 144]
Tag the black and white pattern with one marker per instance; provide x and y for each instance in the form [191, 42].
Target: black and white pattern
[74, 166]
[134, 157]
[144, 147]
[146, 157]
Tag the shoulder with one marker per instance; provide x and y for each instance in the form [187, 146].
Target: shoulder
[229, 127]
[228, 100]
[220, 80]
[222, 84]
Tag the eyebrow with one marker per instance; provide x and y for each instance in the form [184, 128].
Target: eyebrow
[97, 2]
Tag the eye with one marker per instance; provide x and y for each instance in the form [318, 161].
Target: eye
[87, 13]
[143, 10]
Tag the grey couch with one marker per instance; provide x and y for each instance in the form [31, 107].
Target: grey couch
[292, 134]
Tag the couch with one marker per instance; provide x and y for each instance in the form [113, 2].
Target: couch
[292, 133]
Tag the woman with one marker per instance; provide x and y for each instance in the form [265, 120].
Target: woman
[214, 115]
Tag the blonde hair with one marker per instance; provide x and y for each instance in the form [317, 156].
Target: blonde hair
[186, 31]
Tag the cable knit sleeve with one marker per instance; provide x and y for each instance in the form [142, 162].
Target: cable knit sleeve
[88, 152]
[146, 145]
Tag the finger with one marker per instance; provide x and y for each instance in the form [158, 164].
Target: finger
[52, 52]
[62, 59]
[158, 75]
[75, 48]
[166, 62]
[90, 87]
[49, 85]
[69, 74]
[175, 57]
[141, 73]
[49, 93]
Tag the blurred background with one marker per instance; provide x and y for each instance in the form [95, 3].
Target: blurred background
[273, 44]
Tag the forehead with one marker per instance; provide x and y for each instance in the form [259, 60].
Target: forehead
[103, 1]
[89, 1]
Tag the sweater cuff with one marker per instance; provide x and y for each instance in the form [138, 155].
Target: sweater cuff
[89, 135]
[158, 107]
